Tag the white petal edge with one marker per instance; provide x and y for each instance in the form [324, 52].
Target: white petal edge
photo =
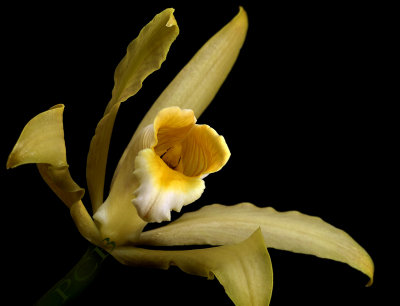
[162, 189]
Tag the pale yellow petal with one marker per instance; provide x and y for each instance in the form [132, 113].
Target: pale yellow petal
[97, 158]
[292, 231]
[244, 269]
[144, 55]
[42, 142]
[198, 82]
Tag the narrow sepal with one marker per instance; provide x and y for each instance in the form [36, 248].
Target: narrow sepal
[199, 81]
[144, 55]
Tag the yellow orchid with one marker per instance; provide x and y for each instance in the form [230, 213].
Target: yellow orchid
[164, 168]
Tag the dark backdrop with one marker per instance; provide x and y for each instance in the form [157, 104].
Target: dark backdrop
[303, 111]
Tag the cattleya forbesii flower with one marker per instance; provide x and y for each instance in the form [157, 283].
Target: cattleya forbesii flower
[163, 168]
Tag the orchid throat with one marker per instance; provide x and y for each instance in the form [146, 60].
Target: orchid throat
[176, 155]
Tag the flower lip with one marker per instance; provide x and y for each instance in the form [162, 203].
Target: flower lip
[177, 154]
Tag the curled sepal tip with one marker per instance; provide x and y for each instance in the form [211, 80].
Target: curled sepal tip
[42, 142]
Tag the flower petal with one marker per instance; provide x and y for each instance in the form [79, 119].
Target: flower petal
[198, 82]
[204, 151]
[97, 158]
[244, 269]
[162, 189]
[292, 231]
[144, 55]
[171, 126]
[42, 142]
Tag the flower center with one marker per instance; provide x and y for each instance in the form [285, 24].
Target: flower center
[172, 156]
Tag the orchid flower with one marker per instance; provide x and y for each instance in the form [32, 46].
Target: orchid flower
[164, 167]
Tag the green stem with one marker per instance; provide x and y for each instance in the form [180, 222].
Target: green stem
[76, 280]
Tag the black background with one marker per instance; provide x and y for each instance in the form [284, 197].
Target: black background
[305, 113]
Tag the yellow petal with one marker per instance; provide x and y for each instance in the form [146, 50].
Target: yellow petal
[292, 231]
[171, 126]
[144, 55]
[42, 142]
[194, 150]
[203, 151]
[198, 82]
[244, 269]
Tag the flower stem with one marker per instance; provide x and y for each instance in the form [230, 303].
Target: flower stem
[76, 280]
